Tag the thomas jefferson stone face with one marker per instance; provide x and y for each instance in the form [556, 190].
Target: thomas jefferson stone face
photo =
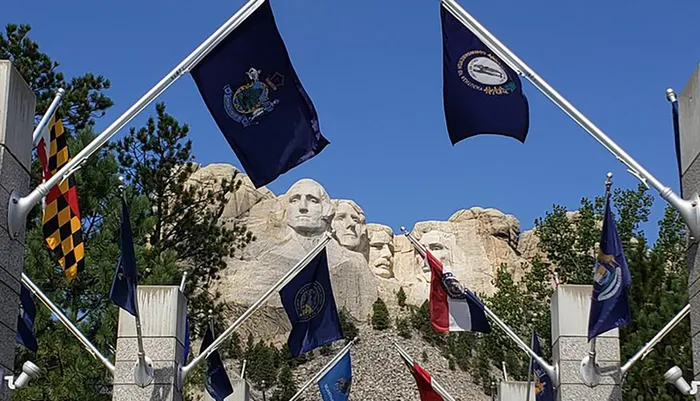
[349, 224]
[308, 208]
[381, 252]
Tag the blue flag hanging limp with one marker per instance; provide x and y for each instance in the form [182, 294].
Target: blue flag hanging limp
[677, 140]
[611, 278]
[123, 291]
[543, 386]
[252, 90]
[218, 384]
[25, 320]
[310, 305]
[335, 384]
[481, 94]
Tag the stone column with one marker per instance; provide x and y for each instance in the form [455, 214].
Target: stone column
[163, 310]
[515, 391]
[570, 307]
[17, 104]
[241, 390]
[689, 121]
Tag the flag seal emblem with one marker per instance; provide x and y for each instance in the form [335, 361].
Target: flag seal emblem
[251, 100]
[452, 286]
[343, 384]
[483, 72]
[309, 301]
[607, 280]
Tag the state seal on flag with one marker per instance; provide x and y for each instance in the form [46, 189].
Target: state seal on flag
[452, 286]
[343, 385]
[309, 301]
[607, 279]
[484, 72]
[251, 100]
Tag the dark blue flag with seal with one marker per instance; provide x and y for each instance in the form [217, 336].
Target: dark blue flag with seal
[481, 94]
[611, 278]
[310, 305]
[218, 384]
[123, 291]
[543, 386]
[25, 320]
[335, 384]
[256, 98]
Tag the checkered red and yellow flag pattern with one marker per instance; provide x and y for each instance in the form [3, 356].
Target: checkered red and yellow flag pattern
[61, 222]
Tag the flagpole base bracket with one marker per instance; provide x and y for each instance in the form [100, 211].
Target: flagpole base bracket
[690, 213]
[143, 372]
[590, 372]
[17, 211]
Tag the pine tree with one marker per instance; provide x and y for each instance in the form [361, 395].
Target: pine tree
[287, 388]
[401, 297]
[380, 315]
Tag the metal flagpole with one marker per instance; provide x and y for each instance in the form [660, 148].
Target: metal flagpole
[19, 206]
[648, 347]
[47, 116]
[324, 370]
[551, 370]
[143, 371]
[255, 306]
[436, 386]
[687, 209]
[529, 368]
[67, 323]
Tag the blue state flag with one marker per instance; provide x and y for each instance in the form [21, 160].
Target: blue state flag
[25, 320]
[481, 94]
[218, 384]
[256, 98]
[611, 278]
[543, 386]
[310, 305]
[123, 291]
[187, 337]
[335, 384]
[677, 140]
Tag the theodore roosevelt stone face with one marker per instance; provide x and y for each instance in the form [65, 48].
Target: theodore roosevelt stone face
[381, 250]
[308, 208]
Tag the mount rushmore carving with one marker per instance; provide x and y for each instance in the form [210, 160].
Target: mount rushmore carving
[366, 260]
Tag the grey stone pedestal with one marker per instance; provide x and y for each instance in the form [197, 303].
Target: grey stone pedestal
[17, 103]
[515, 391]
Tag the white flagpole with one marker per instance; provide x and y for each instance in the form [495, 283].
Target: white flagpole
[47, 116]
[529, 367]
[256, 305]
[19, 207]
[67, 323]
[436, 386]
[324, 370]
[551, 370]
[687, 209]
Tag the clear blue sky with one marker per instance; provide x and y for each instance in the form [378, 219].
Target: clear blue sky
[373, 69]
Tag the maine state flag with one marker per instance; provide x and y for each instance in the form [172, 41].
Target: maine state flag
[251, 89]
[310, 305]
[335, 384]
[543, 386]
[609, 305]
[481, 94]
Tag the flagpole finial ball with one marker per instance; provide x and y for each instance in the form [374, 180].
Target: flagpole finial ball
[403, 228]
[61, 91]
[671, 95]
[610, 175]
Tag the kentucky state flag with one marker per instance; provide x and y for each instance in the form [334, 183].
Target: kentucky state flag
[609, 305]
[310, 305]
[335, 384]
[252, 91]
[481, 94]
[543, 386]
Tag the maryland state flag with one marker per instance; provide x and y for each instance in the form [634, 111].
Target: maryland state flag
[62, 228]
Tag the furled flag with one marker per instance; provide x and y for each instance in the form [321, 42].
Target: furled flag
[123, 292]
[218, 384]
[187, 337]
[543, 386]
[253, 92]
[61, 221]
[481, 94]
[453, 307]
[25, 320]
[423, 380]
[677, 140]
[609, 305]
[310, 305]
[335, 384]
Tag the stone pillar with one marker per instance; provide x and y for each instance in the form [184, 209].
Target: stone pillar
[689, 119]
[570, 307]
[17, 103]
[515, 391]
[241, 391]
[163, 310]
